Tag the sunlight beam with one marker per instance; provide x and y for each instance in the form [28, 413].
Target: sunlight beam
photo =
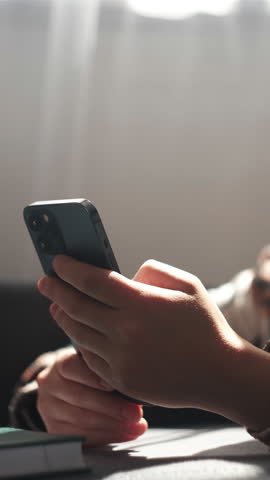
[177, 9]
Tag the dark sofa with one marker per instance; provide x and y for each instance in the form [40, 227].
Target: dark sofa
[26, 331]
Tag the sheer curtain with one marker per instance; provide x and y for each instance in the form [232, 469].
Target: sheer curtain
[47, 49]
[72, 38]
[163, 123]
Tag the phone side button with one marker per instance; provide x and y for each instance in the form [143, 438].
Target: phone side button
[111, 260]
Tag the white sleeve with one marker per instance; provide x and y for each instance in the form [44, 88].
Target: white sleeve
[236, 303]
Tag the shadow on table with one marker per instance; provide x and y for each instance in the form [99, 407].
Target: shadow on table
[108, 461]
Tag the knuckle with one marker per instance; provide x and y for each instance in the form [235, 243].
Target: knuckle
[149, 265]
[41, 378]
[196, 283]
[192, 284]
[146, 271]
[123, 288]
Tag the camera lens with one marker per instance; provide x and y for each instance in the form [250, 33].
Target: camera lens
[44, 245]
[36, 223]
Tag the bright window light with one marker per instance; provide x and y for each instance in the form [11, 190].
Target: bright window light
[174, 9]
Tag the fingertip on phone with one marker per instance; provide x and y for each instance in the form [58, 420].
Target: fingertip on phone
[42, 284]
[58, 260]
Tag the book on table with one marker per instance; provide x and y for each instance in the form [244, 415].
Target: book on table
[26, 453]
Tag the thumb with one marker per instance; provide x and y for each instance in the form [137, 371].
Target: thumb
[162, 275]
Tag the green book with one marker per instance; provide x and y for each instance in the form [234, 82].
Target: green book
[25, 453]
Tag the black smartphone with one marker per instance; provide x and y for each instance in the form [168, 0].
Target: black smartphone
[72, 227]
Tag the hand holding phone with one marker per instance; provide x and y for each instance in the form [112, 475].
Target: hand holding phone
[71, 227]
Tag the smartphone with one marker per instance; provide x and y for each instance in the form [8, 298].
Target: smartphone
[72, 227]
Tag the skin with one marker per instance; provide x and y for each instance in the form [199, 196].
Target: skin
[72, 399]
[160, 338]
[261, 295]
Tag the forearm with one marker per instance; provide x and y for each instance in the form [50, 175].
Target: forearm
[251, 404]
[243, 391]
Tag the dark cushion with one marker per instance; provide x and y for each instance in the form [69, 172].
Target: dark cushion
[27, 330]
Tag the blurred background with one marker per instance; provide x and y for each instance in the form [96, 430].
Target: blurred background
[158, 111]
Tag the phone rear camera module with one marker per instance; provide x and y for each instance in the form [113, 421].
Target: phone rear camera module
[36, 223]
[50, 242]
[44, 245]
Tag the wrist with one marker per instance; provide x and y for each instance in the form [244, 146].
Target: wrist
[245, 395]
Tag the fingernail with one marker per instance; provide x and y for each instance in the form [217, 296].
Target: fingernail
[43, 285]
